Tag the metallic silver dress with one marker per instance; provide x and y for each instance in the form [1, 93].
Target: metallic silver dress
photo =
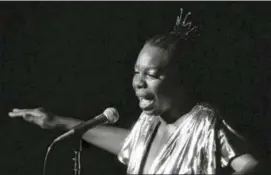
[191, 149]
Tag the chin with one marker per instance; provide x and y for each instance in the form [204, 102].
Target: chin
[151, 112]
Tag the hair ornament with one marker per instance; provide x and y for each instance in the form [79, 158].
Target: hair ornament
[184, 28]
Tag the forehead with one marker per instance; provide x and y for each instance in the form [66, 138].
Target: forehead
[152, 57]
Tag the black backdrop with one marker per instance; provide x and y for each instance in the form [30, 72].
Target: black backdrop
[76, 59]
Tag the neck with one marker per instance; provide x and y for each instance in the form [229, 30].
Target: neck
[182, 106]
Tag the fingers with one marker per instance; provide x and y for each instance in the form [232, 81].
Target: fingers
[29, 115]
[36, 116]
[20, 112]
[16, 114]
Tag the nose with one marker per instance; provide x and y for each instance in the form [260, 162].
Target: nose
[139, 81]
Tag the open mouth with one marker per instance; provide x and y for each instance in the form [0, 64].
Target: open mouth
[146, 103]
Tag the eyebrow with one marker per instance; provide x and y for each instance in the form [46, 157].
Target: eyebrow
[148, 67]
[159, 69]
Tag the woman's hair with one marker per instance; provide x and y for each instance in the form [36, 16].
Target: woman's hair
[180, 44]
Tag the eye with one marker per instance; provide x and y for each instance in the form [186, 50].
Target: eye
[136, 72]
[153, 73]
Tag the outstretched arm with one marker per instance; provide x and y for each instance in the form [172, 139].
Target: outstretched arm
[108, 138]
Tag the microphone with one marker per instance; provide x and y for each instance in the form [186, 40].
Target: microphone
[110, 115]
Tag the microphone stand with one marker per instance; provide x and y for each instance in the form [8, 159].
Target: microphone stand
[77, 149]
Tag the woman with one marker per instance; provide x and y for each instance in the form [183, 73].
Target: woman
[174, 134]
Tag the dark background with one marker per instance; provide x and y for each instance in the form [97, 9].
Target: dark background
[76, 59]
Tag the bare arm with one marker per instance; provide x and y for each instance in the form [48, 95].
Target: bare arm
[108, 138]
[244, 164]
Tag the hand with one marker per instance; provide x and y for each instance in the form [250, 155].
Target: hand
[37, 116]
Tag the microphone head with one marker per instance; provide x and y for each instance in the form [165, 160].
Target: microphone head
[111, 114]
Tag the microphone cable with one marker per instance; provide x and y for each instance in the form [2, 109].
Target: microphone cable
[46, 157]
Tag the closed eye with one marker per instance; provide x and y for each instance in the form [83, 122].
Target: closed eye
[153, 74]
[136, 72]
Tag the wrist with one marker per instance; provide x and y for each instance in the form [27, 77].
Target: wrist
[66, 123]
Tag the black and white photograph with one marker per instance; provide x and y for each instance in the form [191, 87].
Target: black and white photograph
[135, 87]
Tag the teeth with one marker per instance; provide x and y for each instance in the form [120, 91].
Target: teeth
[145, 102]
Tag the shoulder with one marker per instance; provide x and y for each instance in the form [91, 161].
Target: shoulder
[204, 111]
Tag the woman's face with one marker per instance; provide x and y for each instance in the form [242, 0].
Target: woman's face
[151, 82]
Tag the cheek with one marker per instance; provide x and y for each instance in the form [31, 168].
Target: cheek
[166, 94]
[165, 86]
[160, 88]
[154, 86]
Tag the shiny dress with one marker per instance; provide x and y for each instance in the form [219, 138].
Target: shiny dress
[191, 149]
